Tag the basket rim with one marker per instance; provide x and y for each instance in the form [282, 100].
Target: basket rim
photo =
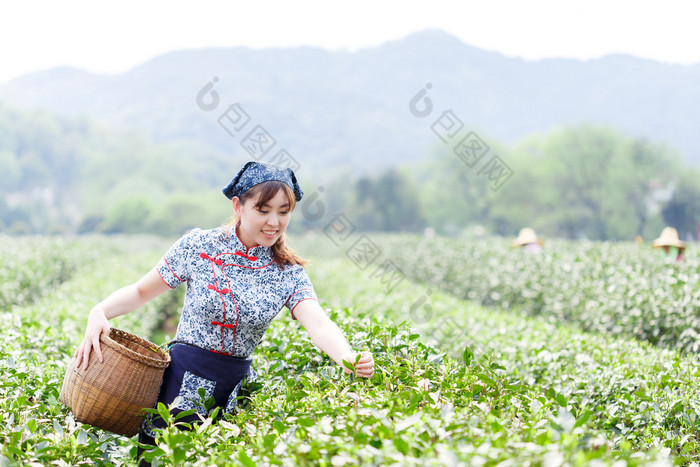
[162, 362]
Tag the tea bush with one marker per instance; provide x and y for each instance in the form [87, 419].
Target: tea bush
[639, 396]
[622, 289]
[456, 383]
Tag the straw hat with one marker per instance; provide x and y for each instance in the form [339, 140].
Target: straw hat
[526, 235]
[668, 237]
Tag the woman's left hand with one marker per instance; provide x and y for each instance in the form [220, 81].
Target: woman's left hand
[364, 367]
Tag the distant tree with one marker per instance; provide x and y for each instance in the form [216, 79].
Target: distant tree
[183, 211]
[388, 202]
[642, 168]
[90, 223]
[78, 171]
[582, 181]
[683, 209]
[11, 173]
[588, 181]
[453, 195]
[129, 214]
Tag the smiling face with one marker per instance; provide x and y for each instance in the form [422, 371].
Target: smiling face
[264, 214]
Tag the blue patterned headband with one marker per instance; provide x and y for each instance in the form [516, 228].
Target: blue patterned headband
[254, 173]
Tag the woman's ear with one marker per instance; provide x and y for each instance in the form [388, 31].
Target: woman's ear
[237, 206]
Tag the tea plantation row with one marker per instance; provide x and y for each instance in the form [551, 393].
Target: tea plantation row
[623, 289]
[532, 391]
[630, 393]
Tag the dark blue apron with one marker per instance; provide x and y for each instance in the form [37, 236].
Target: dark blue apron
[192, 368]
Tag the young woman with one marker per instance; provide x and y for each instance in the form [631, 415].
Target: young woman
[238, 279]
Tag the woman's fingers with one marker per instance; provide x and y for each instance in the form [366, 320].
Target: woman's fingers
[85, 354]
[96, 346]
[82, 355]
[97, 325]
[365, 366]
[78, 355]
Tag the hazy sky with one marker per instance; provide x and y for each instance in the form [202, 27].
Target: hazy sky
[111, 37]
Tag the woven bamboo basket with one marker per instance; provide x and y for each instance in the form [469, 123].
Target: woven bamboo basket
[111, 395]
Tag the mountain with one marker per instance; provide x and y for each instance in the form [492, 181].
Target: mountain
[350, 111]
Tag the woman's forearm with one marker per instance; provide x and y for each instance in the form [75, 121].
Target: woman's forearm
[133, 296]
[120, 302]
[329, 338]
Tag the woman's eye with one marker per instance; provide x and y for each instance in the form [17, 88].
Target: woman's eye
[262, 211]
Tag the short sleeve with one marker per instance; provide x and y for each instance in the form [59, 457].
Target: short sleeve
[302, 289]
[175, 266]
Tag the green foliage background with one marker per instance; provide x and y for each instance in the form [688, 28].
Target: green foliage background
[457, 383]
[69, 175]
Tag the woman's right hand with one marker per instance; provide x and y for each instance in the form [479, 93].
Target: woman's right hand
[97, 324]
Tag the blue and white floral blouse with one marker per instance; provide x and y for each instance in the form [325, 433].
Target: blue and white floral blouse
[233, 292]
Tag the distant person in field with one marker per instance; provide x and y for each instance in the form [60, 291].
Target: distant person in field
[239, 276]
[528, 241]
[670, 243]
